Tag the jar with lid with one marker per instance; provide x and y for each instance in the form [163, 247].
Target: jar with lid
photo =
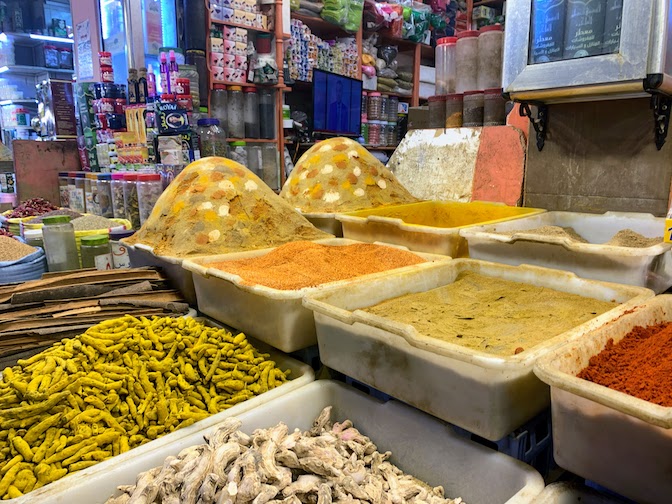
[96, 252]
[254, 162]
[267, 114]
[490, 43]
[437, 111]
[117, 187]
[384, 107]
[375, 133]
[454, 110]
[104, 195]
[270, 166]
[33, 237]
[120, 257]
[445, 66]
[212, 138]
[238, 152]
[71, 188]
[60, 247]
[91, 186]
[218, 104]
[494, 107]
[251, 113]
[391, 134]
[131, 207]
[63, 192]
[472, 109]
[105, 58]
[374, 107]
[78, 198]
[466, 63]
[364, 106]
[236, 116]
[393, 107]
[149, 191]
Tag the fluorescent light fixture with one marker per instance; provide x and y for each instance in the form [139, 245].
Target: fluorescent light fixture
[4, 69]
[6, 102]
[49, 38]
[3, 37]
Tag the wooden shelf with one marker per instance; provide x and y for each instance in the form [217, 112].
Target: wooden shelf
[252, 140]
[489, 2]
[236, 25]
[320, 26]
[381, 147]
[247, 84]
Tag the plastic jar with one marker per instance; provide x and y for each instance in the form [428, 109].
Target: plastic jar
[149, 191]
[120, 258]
[393, 107]
[131, 207]
[490, 42]
[104, 195]
[60, 246]
[106, 74]
[251, 113]
[63, 192]
[445, 65]
[267, 114]
[494, 107]
[466, 61]
[365, 104]
[375, 133]
[437, 111]
[454, 107]
[374, 107]
[91, 186]
[270, 166]
[236, 116]
[33, 237]
[391, 133]
[78, 198]
[117, 186]
[384, 107]
[96, 252]
[105, 58]
[218, 100]
[238, 152]
[212, 138]
[254, 162]
[472, 109]
[364, 132]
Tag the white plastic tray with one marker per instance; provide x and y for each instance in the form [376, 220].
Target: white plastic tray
[274, 316]
[649, 267]
[326, 222]
[420, 445]
[621, 442]
[567, 493]
[485, 394]
[301, 375]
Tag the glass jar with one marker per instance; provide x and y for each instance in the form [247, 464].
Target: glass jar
[120, 257]
[96, 252]
[490, 43]
[91, 192]
[254, 161]
[391, 133]
[364, 132]
[384, 107]
[63, 193]
[251, 113]
[374, 107]
[218, 101]
[466, 62]
[104, 202]
[375, 133]
[238, 152]
[393, 108]
[472, 109]
[71, 188]
[60, 246]
[236, 116]
[437, 111]
[212, 138]
[454, 110]
[131, 207]
[117, 187]
[77, 197]
[33, 237]
[267, 114]
[270, 166]
[445, 65]
[149, 191]
[494, 107]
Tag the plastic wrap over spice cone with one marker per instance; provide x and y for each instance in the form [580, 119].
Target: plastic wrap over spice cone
[218, 206]
[339, 175]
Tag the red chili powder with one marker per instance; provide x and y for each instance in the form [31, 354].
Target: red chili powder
[305, 264]
[639, 365]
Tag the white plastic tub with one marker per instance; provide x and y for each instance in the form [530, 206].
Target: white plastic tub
[326, 222]
[485, 394]
[274, 316]
[420, 445]
[301, 375]
[621, 442]
[649, 267]
[567, 493]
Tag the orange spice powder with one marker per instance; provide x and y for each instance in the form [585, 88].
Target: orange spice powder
[306, 264]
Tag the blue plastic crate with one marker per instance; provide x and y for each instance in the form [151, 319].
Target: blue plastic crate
[363, 387]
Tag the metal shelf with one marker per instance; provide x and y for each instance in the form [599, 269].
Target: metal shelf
[32, 70]
[32, 101]
[34, 40]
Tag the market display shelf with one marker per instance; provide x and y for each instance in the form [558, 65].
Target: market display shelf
[32, 70]
[317, 24]
[381, 147]
[35, 40]
[247, 84]
[251, 140]
[404, 44]
[237, 25]
[489, 2]
[30, 101]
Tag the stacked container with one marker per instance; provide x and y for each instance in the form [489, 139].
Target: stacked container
[445, 66]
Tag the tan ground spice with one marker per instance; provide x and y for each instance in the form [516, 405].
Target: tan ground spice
[13, 250]
[624, 238]
[305, 264]
[490, 314]
[556, 231]
[629, 238]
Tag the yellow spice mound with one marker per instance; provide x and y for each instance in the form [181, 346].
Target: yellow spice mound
[339, 175]
[217, 206]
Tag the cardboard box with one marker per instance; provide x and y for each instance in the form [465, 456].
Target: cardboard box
[240, 49]
[217, 45]
[171, 118]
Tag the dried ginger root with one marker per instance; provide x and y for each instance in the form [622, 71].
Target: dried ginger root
[120, 384]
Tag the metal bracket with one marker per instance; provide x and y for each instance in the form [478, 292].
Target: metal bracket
[661, 106]
[540, 123]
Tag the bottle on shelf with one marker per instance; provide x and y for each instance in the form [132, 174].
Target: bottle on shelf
[173, 71]
[151, 83]
[163, 71]
[142, 85]
[132, 94]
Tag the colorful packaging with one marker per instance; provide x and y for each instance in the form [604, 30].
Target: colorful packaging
[216, 45]
[229, 47]
[217, 59]
[229, 61]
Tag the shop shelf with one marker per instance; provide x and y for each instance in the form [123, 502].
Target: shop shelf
[648, 267]
[32, 101]
[32, 70]
[488, 395]
[35, 40]
[614, 439]
[251, 140]
[568, 493]
[236, 25]
[273, 316]
[246, 84]
[319, 26]
[420, 445]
